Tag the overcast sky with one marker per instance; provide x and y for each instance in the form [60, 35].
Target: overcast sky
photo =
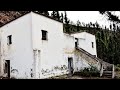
[87, 16]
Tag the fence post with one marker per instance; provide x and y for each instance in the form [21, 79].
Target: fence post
[113, 73]
[101, 71]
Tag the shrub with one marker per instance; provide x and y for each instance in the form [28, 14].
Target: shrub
[117, 68]
[118, 65]
[89, 71]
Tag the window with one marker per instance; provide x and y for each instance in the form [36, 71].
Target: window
[44, 35]
[9, 39]
[92, 44]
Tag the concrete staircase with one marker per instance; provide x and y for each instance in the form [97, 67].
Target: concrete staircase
[107, 72]
[106, 69]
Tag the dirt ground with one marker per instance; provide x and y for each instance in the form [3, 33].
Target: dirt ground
[76, 77]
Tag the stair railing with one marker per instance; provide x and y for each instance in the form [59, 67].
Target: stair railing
[113, 71]
[101, 71]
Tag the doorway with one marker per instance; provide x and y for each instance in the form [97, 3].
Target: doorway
[70, 65]
[7, 68]
[76, 42]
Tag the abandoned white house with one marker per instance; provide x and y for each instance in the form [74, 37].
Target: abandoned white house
[35, 46]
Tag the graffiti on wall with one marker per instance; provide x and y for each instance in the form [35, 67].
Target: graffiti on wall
[61, 68]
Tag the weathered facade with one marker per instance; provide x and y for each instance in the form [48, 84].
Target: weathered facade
[34, 46]
[86, 41]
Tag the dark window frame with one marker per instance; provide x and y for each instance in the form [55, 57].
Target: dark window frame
[92, 44]
[9, 39]
[44, 35]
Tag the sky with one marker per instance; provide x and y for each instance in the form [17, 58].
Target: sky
[88, 16]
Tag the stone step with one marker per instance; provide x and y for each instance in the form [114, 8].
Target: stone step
[110, 72]
[107, 74]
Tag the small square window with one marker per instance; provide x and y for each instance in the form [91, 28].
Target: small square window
[44, 35]
[9, 39]
[92, 44]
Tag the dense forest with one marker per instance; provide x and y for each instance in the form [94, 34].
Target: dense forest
[107, 39]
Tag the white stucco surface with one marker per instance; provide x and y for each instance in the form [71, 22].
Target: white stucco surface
[20, 51]
[85, 42]
[46, 58]
[51, 54]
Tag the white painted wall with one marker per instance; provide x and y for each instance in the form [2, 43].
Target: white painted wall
[79, 63]
[46, 57]
[69, 43]
[52, 53]
[84, 42]
[69, 49]
[20, 52]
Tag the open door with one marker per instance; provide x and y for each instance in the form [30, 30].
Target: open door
[7, 67]
[70, 65]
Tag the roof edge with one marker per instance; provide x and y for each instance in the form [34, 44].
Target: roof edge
[47, 16]
[14, 19]
[28, 13]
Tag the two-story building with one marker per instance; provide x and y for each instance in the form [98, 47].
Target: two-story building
[35, 46]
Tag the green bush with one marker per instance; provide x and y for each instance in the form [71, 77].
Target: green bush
[118, 65]
[117, 68]
[90, 71]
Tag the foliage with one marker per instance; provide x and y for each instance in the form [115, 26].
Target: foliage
[107, 39]
[89, 71]
[118, 65]
[111, 17]
[117, 68]
[55, 15]
[44, 12]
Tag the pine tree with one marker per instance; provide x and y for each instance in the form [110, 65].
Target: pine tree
[46, 13]
[97, 25]
[78, 25]
[55, 15]
[66, 19]
[61, 17]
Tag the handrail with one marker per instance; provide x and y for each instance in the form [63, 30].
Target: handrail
[101, 71]
[103, 63]
[87, 53]
[92, 56]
